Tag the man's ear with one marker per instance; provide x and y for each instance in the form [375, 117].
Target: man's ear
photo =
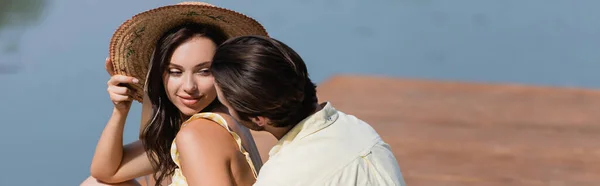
[260, 121]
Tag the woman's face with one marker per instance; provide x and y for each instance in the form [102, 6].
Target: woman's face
[187, 79]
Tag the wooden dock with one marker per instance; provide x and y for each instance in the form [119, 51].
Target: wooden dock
[448, 133]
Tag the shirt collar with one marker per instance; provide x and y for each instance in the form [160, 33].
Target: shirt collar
[313, 123]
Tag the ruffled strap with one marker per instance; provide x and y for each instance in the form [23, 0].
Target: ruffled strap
[221, 121]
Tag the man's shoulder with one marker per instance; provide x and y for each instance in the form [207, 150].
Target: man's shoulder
[349, 127]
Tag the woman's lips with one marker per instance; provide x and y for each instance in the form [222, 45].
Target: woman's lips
[189, 101]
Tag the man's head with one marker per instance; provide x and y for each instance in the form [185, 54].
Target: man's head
[263, 82]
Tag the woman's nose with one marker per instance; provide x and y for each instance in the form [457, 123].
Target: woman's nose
[190, 84]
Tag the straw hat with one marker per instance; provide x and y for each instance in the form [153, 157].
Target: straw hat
[132, 44]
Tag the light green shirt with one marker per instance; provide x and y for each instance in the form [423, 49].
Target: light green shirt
[330, 148]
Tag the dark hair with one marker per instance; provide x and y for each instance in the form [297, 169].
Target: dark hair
[261, 76]
[165, 123]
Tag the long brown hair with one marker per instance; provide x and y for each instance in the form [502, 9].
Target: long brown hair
[167, 119]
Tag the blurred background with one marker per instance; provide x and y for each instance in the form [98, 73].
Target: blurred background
[54, 105]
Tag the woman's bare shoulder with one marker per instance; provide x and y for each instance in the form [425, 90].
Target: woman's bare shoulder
[206, 150]
[205, 134]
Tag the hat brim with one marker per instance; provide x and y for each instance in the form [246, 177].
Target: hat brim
[133, 43]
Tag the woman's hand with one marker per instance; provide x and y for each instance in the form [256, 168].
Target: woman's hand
[118, 88]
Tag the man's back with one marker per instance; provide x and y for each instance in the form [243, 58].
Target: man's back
[331, 148]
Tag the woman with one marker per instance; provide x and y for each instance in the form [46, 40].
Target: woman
[190, 139]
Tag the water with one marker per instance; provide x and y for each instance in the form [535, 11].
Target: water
[53, 101]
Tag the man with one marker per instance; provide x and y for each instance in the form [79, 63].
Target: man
[265, 86]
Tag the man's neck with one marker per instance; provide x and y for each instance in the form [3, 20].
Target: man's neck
[279, 132]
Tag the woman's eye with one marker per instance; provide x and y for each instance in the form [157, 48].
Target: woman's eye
[204, 71]
[174, 72]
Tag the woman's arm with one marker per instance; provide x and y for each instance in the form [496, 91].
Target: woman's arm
[205, 153]
[113, 162]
